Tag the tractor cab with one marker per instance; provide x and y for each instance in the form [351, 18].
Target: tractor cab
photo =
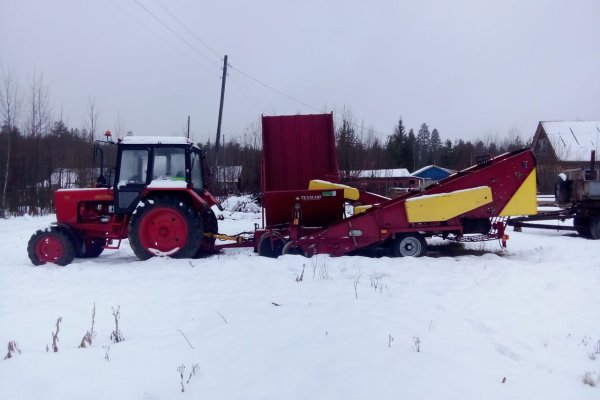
[155, 163]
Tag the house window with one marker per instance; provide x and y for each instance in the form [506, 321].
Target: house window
[541, 145]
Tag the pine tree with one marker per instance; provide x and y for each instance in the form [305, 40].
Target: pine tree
[409, 151]
[347, 146]
[435, 143]
[394, 145]
[423, 138]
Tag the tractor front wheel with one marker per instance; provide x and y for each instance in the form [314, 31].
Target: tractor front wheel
[409, 245]
[92, 248]
[50, 246]
[165, 226]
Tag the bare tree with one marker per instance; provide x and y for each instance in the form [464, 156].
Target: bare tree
[93, 112]
[9, 99]
[37, 124]
[38, 104]
[10, 105]
[119, 131]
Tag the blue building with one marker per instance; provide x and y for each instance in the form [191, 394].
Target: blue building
[433, 173]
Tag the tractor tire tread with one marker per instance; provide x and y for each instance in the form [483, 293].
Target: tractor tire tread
[194, 221]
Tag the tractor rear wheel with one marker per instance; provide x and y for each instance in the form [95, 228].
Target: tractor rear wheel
[165, 226]
[51, 246]
[582, 225]
[210, 225]
[409, 245]
[271, 245]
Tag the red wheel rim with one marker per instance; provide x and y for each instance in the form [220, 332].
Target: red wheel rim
[49, 249]
[163, 229]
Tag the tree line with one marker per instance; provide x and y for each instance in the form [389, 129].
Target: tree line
[360, 149]
[40, 153]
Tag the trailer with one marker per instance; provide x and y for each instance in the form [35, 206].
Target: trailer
[577, 193]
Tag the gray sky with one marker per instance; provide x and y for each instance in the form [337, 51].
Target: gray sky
[468, 68]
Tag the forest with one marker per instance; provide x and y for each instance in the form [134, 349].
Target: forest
[39, 153]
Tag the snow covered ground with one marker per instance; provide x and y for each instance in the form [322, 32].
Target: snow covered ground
[472, 322]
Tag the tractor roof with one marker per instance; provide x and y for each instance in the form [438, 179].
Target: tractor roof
[156, 140]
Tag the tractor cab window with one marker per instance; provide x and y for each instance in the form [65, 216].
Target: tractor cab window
[196, 170]
[169, 163]
[134, 167]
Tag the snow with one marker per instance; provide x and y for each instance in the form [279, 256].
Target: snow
[167, 183]
[431, 196]
[155, 140]
[346, 330]
[243, 204]
[337, 185]
[381, 173]
[573, 140]
[78, 189]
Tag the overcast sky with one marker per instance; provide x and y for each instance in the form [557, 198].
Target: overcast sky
[467, 68]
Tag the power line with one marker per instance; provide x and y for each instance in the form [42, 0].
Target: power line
[152, 32]
[214, 52]
[210, 60]
[245, 95]
[273, 89]
[188, 29]
[246, 75]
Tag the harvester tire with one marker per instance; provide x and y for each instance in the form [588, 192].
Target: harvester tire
[292, 249]
[583, 226]
[271, 245]
[165, 226]
[409, 245]
[51, 246]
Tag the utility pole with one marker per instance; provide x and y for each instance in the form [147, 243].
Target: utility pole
[218, 141]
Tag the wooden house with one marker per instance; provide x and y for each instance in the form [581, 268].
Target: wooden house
[561, 145]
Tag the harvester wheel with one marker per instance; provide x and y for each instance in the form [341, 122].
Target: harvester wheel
[583, 226]
[271, 245]
[91, 248]
[595, 228]
[409, 245]
[165, 226]
[292, 249]
[50, 246]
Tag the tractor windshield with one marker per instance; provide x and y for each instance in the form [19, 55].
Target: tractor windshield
[169, 163]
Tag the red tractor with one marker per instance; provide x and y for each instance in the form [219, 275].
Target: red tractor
[158, 201]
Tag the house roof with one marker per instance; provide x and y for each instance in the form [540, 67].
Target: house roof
[572, 140]
[428, 167]
[381, 173]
